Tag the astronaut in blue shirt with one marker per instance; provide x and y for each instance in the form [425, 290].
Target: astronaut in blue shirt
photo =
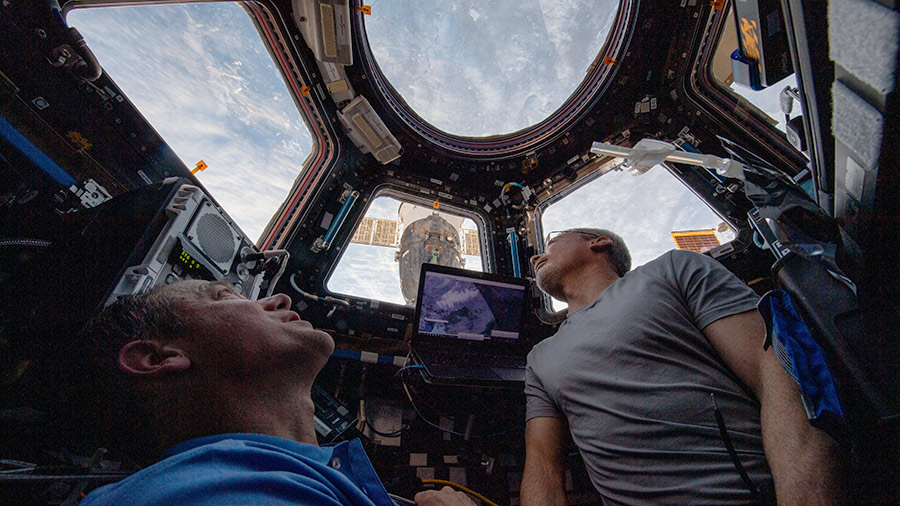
[222, 385]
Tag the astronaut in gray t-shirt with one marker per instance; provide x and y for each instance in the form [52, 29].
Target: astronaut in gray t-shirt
[630, 373]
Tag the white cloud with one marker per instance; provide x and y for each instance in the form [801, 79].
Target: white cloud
[369, 272]
[523, 61]
[642, 210]
[182, 72]
[452, 299]
[511, 69]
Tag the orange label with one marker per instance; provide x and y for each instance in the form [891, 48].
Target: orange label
[201, 166]
[77, 139]
[365, 9]
[718, 4]
[609, 60]
[750, 38]
[304, 91]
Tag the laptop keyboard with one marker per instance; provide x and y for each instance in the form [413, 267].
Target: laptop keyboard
[505, 361]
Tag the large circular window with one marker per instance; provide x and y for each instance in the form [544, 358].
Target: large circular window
[479, 69]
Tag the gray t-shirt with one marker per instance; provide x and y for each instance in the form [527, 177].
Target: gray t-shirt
[632, 373]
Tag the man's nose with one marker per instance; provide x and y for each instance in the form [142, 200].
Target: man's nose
[276, 302]
[534, 259]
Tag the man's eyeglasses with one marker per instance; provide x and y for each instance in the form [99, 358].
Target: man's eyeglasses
[556, 233]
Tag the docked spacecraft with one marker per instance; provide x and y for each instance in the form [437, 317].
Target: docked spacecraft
[428, 236]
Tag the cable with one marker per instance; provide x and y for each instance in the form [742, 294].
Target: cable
[386, 434]
[264, 255]
[423, 401]
[297, 288]
[274, 279]
[403, 379]
[285, 256]
[26, 242]
[729, 447]
[328, 299]
[407, 368]
[363, 419]
[443, 429]
[401, 500]
[508, 201]
[426, 420]
[429, 422]
[462, 488]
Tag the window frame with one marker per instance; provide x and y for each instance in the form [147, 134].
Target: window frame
[312, 162]
[740, 99]
[546, 312]
[526, 140]
[480, 219]
[704, 87]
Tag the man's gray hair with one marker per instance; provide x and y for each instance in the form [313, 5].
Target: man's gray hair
[618, 251]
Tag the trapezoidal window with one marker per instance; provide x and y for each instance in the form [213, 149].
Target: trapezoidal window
[487, 68]
[200, 74]
[761, 90]
[652, 211]
[393, 240]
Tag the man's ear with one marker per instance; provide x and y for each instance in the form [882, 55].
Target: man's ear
[152, 359]
[598, 243]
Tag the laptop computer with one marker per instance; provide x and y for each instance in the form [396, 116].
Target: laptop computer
[466, 327]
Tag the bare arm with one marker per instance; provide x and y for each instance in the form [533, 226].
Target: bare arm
[443, 497]
[543, 481]
[802, 458]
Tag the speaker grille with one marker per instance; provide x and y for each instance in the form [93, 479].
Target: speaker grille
[214, 236]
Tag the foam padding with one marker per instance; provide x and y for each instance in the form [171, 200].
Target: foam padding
[857, 124]
[863, 37]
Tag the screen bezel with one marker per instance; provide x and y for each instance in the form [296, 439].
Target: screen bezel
[506, 346]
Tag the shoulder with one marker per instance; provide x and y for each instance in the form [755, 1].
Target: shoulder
[668, 261]
[227, 469]
[680, 258]
[544, 354]
[694, 273]
[665, 268]
[538, 350]
[682, 264]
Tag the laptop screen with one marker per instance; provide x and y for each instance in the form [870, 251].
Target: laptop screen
[464, 305]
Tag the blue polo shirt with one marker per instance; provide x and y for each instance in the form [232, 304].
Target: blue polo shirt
[256, 469]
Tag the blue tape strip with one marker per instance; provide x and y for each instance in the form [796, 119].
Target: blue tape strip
[356, 355]
[37, 157]
[339, 219]
[352, 355]
[514, 249]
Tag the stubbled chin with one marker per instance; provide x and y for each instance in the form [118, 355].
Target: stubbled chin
[548, 278]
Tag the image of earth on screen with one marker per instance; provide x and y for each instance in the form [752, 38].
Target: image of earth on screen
[474, 309]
